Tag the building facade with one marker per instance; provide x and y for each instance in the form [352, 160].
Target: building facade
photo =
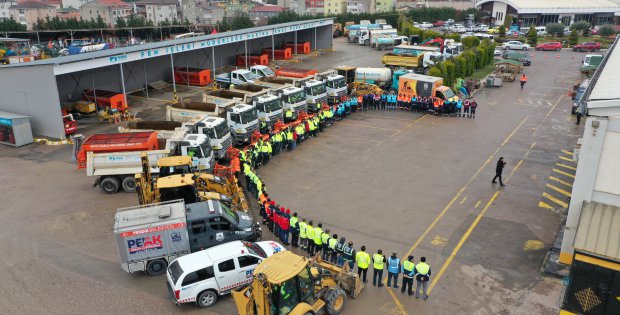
[260, 14]
[315, 6]
[297, 6]
[567, 12]
[334, 7]
[382, 6]
[357, 6]
[157, 11]
[109, 10]
[27, 13]
[5, 13]
[207, 13]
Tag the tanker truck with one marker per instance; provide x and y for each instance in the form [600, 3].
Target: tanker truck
[382, 77]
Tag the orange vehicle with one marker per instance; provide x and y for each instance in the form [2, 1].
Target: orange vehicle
[117, 142]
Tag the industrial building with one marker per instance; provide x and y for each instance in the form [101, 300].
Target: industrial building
[38, 89]
[591, 240]
[534, 12]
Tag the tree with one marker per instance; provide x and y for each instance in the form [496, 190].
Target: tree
[532, 36]
[450, 67]
[11, 24]
[241, 21]
[100, 22]
[606, 30]
[135, 20]
[580, 26]
[470, 42]
[434, 72]
[120, 22]
[556, 29]
[502, 31]
[573, 38]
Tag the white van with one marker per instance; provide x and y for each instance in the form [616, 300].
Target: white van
[203, 276]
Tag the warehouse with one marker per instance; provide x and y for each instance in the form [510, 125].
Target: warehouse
[38, 89]
[537, 13]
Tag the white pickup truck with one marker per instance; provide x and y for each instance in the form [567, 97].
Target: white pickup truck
[203, 276]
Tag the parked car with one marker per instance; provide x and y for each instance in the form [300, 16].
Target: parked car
[514, 33]
[467, 34]
[426, 24]
[497, 53]
[446, 28]
[439, 23]
[450, 21]
[481, 28]
[550, 46]
[587, 46]
[493, 30]
[459, 28]
[515, 45]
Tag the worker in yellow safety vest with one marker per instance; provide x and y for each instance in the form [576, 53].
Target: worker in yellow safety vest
[303, 238]
[331, 247]
[318, 244]
[288, 116]
[294, 227]
[290, 140]
[363, 261]
[310, 237]
[325, 246]
[378, 261]
[408, 270]
[423, 274]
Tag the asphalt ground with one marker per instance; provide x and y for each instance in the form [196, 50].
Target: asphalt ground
[397, 181]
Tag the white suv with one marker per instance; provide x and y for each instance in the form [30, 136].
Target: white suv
[515, 45]
[203, 276]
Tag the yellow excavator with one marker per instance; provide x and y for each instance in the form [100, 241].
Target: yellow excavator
[177, 181]
[287, 283]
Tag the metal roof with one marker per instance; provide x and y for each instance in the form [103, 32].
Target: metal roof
[598, 231]
[7, 115]
[606, 86]
[104, 54]
[281, 266]
[558, 6]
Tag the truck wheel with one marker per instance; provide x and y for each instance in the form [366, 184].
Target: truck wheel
[156, 267]
[334, 300]
[427, 71]
[367, 42]
[381, 47]
[206, 298]
[110, 185]
[129, 184]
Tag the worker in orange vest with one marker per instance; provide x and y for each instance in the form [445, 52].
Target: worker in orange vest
[436, 105]
[523, 80]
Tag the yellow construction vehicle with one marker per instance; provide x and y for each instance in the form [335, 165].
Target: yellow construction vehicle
[286, 283]
[177, 181]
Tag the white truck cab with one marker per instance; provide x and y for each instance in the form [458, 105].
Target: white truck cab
[336, 85]
[197, 147]
[217, 131]
[293, 98]
[269, 108]
[243, 121]
[261, 71]
[203, 276]
[316, 93]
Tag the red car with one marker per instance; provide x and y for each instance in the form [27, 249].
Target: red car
[587, 46]
[439, 23]
[550, 46]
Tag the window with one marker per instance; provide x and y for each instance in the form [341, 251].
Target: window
[246, 261]
[583, 17]
[199, 275]
[219, 224]
[198, 227]
[226, 265]
[288, 296]
[305, 284]
[549, 18]
[235, 118]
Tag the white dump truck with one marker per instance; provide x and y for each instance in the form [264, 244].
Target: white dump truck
[293, 98]
[250, 90]
[316, 93]
[269, 108]
[336, 85]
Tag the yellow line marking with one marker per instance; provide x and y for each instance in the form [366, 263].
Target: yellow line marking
[462, 241]
[514, 131]
[560, 181]
[514, 170]
[568, 152]
[545, 205]
[458, 194]
[464, 198]
[477, 204]
[366, 126]
[560, 190]
[563, 173]
[556, 200]
[410, 124]
[566, 166]
[396, 301]
[566, 159]
[533, 145]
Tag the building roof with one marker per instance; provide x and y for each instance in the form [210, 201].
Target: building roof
[158, 2]
[50, 2]
[268, 8]
[558, 6]
[32, 5]
[67, 10]
[7, 115]
[598, 230]
[112, 3]
[603, 96]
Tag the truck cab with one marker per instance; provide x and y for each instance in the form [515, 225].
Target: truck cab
[197, 147]
[445, 93]
[336, 87]
[217, 131]
[243, 121]
[293, 98]
[203, 276]
[316, 93]
[261, 71]
[269, 108]
[453, 50]
[241, 76]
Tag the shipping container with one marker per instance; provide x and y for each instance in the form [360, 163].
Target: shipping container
[192, 76]
[15, 129]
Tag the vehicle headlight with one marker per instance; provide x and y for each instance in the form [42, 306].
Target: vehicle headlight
[247, 230]
[217, 146]
[202, 167]
[240, 130]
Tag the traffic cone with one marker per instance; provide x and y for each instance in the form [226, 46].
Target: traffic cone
[558, 57]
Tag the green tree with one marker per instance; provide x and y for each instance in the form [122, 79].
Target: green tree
[100, 22]
[502, 31]
[461, 66]
[532, 36]
[606, 30]
[580, 26]
[11, 24]
[556, 29]
[135, 21]
[573, 38]
[120, 22]
[470, 42]
[450, 67]
[434, 72]
[241, 21]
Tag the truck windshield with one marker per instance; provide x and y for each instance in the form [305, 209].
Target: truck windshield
[249, 116]
[273, 106]
[206, 148]
[448, 94]
[173, 170]
[229, 214]
[268, 72]
[317, 90]
[297, 97]
[249, 76]
[221, 130]
[337, 83]
[175, 271]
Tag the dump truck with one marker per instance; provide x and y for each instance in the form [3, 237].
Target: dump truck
[295, 74]
[148, 237]
[189, 109]
[240, 76]
[336, 85]
[231, 95]
[413, 84]
[419, 59]
[316, 93]
[115, 158]
[165, 129]
[293, 98]
[382, 77]
[250, 90]
[269, 108]
[279, 278]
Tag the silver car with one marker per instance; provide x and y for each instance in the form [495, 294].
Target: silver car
[515, 45]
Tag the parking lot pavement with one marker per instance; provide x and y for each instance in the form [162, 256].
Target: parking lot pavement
[392, 180]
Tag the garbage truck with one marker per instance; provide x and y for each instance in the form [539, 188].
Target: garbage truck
[148, 237]
[417, 58]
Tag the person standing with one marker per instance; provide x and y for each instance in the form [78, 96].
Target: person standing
[294, 224]
[459, 106]
[378, 261]
[578, 115]
[408, 269]
[499, 168]
[331, 247]
[340, 251]
[523, 80]
[285, 226]
[303, 239]
[363, 261]
[318, 236]
[466, 108]
[325, 245]
[393, 266]
[423, 274]
[310, 236]
[472, 108]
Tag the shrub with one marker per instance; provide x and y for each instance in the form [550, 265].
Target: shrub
[580, 26]
[435, 72]
[532, 36]
[606, 30]
[573, 38]
[470, 42]
[502, 31]
[556, 29]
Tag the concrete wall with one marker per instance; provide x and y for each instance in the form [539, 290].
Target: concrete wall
[32, 91]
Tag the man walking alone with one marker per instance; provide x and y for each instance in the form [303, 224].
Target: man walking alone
[498, 171]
